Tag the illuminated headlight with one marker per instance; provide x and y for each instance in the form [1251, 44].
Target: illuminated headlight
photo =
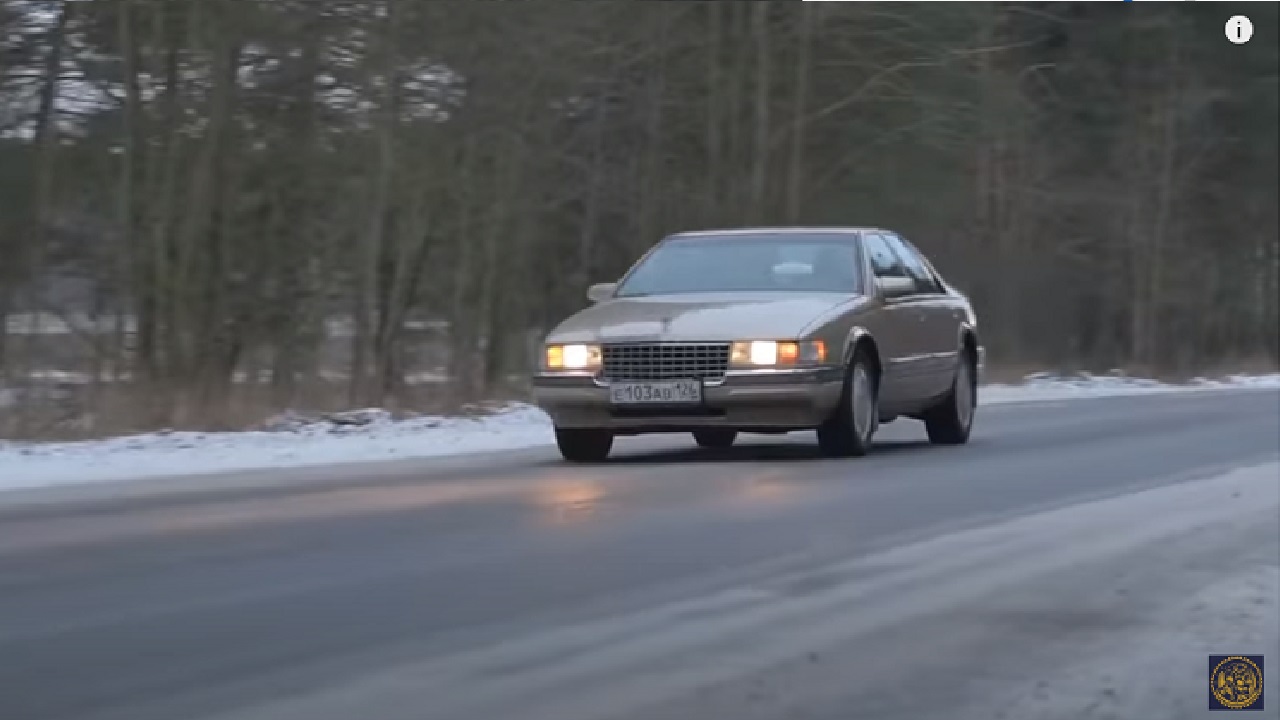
[572, 357]
[777, 353]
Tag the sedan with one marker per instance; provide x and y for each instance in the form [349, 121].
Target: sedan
[764, 330]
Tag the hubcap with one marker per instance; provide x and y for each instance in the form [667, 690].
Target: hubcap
[862, 401]
[964, 396]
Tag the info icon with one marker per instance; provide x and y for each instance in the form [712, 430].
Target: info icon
[1239, 29]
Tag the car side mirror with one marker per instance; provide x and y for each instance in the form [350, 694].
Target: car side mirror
[896, 286]
[601, 291]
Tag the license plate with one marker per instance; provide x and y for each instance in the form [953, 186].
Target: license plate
[670, 392]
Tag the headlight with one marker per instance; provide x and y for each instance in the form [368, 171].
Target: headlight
[572, 357]
[777, 353]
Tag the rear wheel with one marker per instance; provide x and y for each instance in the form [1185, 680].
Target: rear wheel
[950, 422]
[715, 437]
[584, 445]
[847, 433]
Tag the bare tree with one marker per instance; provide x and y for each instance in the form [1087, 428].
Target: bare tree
[288, 203]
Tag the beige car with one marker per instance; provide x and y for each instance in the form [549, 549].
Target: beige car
[764, 330]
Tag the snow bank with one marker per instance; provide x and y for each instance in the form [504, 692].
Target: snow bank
[371, 435]
[1040, 387]
[288, 441]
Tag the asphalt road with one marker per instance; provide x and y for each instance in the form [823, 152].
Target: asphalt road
[1078, 559]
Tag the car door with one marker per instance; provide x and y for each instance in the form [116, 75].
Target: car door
[899, 332]
[939, 317]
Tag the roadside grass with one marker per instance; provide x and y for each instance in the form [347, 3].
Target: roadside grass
[61, 406]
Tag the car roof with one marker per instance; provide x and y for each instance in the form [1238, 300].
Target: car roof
[778, 231]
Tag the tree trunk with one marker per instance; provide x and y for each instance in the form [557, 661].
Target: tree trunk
[45, 143]
[133, 133]
[799, 108]
[375, 236]
[760, 150]
[199, 319]
[714, 114]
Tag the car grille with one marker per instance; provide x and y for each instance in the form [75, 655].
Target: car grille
[665, 361]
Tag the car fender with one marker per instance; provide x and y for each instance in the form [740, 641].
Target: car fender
[969, 328]
[856, 333]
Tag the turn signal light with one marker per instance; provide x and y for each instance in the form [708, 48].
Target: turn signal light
[572, 357]
[777, 353]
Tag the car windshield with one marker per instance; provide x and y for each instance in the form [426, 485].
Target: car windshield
[819, 262]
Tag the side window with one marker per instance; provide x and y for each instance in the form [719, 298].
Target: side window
[884, 261]
[925, 281]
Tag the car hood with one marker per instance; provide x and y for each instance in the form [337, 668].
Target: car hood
[698, 317]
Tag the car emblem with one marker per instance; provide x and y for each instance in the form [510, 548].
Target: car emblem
[666, 324]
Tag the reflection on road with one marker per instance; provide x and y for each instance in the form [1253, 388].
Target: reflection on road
[559, 497]
[567, 501]
[220, 516]
[764, 489]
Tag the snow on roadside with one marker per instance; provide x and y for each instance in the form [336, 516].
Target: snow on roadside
[357, 436]
[372, 435]
[1040, 387]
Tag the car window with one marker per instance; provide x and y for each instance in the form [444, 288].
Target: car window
[914, 264]
[884, 261]
[820, 262]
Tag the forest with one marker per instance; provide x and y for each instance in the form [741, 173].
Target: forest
[215, 210]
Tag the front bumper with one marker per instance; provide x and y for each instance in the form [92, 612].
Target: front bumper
[753, 400]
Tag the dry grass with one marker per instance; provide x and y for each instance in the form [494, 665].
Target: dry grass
[1008, 374]
[1257, 365]
[1012, 374]
[85, 411]
[112, 409]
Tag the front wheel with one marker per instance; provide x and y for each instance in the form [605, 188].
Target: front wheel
[584, 445]
[714, 437]
[950, 421]
[847, 433]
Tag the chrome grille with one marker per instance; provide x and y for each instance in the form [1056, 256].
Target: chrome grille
[665, 361]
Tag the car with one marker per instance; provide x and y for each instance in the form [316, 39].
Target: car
[764, 330]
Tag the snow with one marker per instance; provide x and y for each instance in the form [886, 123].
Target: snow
[1041, 387]
[358, 436]
[371, 435]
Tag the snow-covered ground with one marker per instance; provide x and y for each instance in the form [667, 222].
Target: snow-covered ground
[1049, 386]
[371, 435]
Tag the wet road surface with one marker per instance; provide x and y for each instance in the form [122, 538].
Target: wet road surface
[1077, 559]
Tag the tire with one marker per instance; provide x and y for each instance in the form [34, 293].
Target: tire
[584, 445]
[950, 421]
[715, 437]
[848, 432]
